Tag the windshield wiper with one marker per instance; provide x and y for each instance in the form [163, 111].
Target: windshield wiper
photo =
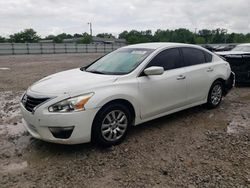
[96, 72]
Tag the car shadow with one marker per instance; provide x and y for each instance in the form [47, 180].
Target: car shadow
[242, 85]
[168, 120]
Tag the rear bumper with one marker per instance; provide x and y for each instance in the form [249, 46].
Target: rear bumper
[230, 83]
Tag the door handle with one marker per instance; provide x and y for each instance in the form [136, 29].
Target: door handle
[210, 69]
[181, 77]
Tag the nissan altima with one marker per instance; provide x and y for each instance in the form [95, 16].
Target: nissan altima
[131, 85]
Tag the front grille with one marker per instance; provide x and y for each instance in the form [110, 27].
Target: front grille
[30, 102]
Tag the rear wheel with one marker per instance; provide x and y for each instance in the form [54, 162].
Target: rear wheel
[111, 125]
[215, 94]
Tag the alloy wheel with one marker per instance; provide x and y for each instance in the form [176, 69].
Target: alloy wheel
[216, 94]
[114, 125]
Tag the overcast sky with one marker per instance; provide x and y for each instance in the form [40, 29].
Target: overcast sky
[114, 16]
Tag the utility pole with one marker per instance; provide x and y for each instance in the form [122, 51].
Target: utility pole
[224, 31]
[90, 28]
[225, 36]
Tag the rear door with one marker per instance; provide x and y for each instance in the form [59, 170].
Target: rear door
[162, 93]
[199, 73]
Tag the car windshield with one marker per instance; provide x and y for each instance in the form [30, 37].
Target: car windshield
[242, 48]
[121, 61]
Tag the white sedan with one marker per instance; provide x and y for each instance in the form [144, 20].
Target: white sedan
[129, 86]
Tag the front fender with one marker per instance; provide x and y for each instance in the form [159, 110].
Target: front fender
[105, 95]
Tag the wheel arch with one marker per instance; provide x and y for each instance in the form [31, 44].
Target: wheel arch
[125, 102]
[223, 84]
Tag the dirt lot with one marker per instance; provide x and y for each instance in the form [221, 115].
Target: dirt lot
[193, 148]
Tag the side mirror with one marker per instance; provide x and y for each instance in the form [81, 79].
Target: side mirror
[154, 70]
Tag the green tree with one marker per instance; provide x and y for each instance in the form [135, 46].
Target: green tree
[182, 35]
[134, 37]
[147, 36]
[76, 35]
[248, 37]
[206, 34]
[85, 39]
[219, 36]
[239, 38]
[123, 35]
[59, 38]
[200, 40]
[2, 39]
[28, 35]
[105, 35]
[162, 35]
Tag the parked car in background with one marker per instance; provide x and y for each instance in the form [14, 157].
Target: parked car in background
[132, 85]
[239, 59]
[239, 49]
[219, 47]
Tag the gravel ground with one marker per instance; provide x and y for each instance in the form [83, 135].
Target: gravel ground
[193, 148]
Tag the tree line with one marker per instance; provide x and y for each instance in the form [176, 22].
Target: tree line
[204, 36]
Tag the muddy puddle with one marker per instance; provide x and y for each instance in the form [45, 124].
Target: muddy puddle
[11, 122]
[239, 125]
[12, 130]
[9, 107]
[13, 167]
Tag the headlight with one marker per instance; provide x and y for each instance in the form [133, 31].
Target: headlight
[71, 104]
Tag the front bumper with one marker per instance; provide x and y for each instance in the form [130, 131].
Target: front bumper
[39, 123]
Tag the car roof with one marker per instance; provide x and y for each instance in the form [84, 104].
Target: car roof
[244, 44]
[157, 45]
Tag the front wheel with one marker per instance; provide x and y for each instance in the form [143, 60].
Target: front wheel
[215, 94]
[111, 125]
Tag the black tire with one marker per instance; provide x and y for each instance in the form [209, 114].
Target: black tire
[97, 134]
[210, 102]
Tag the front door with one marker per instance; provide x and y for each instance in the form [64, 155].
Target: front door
[162, 93]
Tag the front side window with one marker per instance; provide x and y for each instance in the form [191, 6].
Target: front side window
[168, 59]
[119, 62]
[193, 56]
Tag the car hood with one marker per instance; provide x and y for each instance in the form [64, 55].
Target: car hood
[71, 82]
[232, 53]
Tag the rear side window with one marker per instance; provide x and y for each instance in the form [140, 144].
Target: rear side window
[168, 59]
[193, 56]
[208, 57]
